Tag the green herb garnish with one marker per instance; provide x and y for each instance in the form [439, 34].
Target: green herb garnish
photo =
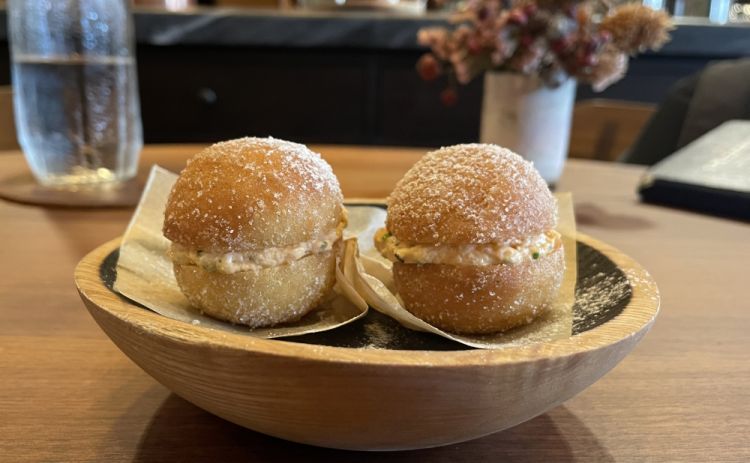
[535, 255]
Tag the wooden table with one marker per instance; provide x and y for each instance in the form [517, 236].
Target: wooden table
[68, 394]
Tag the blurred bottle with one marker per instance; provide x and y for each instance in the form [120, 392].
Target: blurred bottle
[76, 91]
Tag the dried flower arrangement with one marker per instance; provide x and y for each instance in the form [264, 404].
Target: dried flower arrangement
[555, 39]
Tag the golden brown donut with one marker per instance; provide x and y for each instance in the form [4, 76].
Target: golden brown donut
[470, 229]
[254, 223]
[274, 295]
[252, 193]
[479, 299]
[474, 193]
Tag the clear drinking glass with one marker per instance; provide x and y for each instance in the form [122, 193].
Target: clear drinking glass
[75, 89]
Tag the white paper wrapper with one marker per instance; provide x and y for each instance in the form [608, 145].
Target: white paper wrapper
[144, 274]
[372, 277]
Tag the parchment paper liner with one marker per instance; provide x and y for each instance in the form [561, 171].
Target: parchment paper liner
[372, 277]
[144, 274]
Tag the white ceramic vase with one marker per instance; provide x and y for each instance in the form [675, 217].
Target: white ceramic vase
[520, 113]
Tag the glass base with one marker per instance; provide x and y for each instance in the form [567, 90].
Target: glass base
[79, 176]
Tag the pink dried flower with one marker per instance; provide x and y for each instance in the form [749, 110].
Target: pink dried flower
[527, 59]
[429, 36]
[436, 38]
[428, 67]
[611, 67]
[463, 74]
[551, 38]
[517, 17]
[449, 97]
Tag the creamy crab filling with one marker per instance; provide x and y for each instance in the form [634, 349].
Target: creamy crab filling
[510, 252]
[233, 262]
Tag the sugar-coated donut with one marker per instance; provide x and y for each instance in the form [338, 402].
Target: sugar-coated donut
[470, 229]
[254, 224]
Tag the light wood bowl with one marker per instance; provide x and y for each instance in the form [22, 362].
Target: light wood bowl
[420, 391]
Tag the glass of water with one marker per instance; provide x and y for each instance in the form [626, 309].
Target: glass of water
[75, 89]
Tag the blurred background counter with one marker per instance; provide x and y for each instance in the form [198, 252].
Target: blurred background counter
[326, 77]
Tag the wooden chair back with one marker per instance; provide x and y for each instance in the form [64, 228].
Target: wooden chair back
[605, 129]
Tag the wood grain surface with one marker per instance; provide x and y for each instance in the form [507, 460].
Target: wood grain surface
[68, 394]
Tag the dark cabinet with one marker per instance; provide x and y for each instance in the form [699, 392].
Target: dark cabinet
[218, 74]
[316, 96]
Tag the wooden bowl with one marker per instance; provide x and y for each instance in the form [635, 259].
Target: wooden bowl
[416, 391]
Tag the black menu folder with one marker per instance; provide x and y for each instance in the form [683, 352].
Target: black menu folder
[711, 174]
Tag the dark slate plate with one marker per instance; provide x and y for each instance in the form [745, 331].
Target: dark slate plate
[602, 292]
